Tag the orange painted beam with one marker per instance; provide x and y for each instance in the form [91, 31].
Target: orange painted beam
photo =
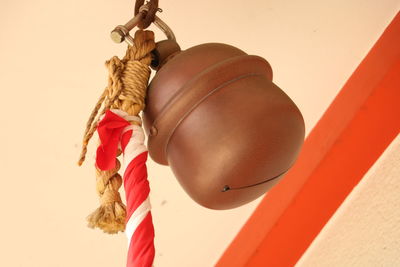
[357, 127]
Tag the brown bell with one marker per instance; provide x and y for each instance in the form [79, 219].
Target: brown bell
[216, 118]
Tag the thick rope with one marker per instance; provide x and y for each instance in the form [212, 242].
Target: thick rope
[126, 90]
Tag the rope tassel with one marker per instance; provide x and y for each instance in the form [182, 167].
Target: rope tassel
[119, 129]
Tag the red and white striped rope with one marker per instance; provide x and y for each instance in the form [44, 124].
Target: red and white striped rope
[139, 225]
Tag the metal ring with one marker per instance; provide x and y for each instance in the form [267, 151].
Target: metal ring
[150, 15]
[121, 32]
[159, 23]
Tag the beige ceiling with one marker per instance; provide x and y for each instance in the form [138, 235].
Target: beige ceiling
[365, 230]
[52, 71]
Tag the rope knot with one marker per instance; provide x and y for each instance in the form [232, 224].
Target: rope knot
[126, 91]
[110, 197]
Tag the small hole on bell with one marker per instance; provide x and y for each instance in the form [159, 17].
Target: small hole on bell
[226, 188]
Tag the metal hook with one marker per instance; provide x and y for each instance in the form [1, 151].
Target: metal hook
[121, 32]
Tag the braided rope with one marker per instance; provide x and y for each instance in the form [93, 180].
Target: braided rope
[126, 90]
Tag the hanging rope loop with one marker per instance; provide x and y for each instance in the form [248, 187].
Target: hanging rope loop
[149, 17]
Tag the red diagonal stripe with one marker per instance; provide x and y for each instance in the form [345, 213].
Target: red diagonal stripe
[141, 249]
[135, 183]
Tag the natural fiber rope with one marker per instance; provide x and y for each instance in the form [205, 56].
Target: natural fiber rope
[126, 90]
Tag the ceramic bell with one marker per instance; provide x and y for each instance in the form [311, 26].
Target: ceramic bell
[216, 118]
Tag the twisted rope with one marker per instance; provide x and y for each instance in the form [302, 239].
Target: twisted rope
[126, 90]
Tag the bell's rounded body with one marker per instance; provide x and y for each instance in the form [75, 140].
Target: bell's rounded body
[226, 130]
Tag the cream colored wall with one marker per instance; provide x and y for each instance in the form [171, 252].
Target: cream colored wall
[365, 230]
[52, 71]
